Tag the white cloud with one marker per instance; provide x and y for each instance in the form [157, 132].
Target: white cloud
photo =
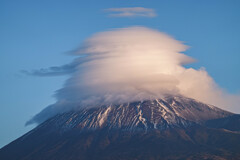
[131, 12]
[133, 64]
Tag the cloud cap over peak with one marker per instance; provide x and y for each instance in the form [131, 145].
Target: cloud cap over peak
[132, 64]
[131, 12]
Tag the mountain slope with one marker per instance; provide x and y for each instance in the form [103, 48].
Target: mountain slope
[231, 123]
[152, 114]
[168, 128]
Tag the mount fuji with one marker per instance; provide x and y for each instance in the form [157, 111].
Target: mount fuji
[173, 127]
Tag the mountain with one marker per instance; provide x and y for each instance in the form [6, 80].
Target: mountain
[174, 127]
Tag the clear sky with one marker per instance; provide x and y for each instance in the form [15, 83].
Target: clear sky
[38, 34]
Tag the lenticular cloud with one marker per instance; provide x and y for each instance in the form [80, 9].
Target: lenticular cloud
[131, 64]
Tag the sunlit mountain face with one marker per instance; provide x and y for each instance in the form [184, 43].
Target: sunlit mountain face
[173, 127]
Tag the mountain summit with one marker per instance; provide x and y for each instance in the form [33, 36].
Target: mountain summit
[168, 112]
[174, 127]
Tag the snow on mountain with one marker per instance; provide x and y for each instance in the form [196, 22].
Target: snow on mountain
[168, 112]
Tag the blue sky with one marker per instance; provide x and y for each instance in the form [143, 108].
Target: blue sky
[40, 34]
